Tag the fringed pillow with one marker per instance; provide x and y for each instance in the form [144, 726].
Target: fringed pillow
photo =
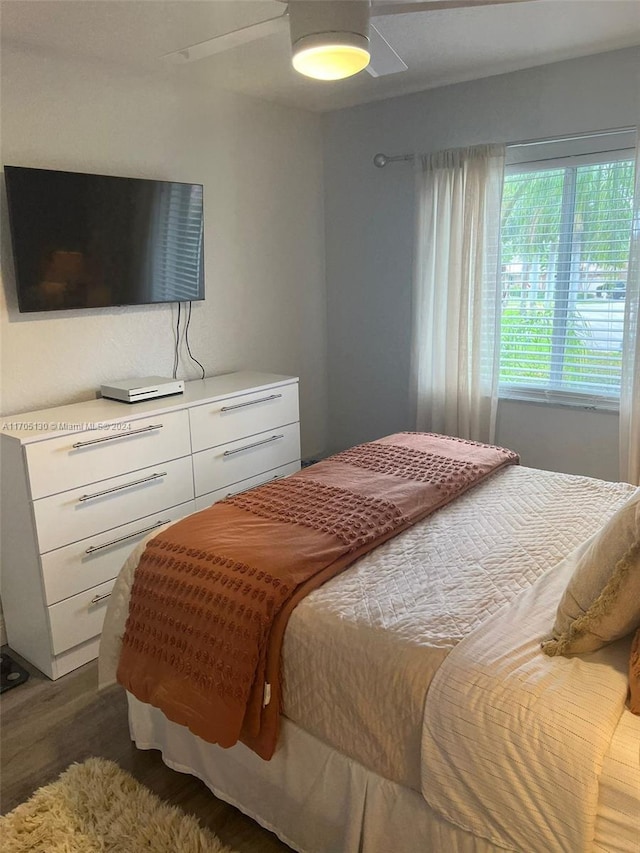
[602, 600]
[634, 675]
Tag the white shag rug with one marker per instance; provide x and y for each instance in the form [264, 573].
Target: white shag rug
[95, 807]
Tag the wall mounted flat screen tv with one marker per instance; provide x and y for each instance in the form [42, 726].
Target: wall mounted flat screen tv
[89, 241]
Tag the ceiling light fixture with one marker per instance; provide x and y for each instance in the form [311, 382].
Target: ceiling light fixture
[331, 56]
[330, 41]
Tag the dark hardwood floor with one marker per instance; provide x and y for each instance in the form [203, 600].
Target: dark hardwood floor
[47, 725]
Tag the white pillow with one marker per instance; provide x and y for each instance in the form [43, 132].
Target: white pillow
[602, 600]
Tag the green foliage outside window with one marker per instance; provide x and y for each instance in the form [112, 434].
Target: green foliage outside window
[564, 255]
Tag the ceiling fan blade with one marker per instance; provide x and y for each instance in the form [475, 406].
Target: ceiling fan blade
[227, 41]
[384, 59]
[400, 8]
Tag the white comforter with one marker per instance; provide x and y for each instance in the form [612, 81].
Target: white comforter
[360, 652]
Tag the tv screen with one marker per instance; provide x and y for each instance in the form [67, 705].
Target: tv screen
[89, 241]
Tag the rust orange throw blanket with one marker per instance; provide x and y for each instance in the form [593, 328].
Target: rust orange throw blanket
[212, 594]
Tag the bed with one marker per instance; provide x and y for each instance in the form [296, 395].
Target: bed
[419, 714]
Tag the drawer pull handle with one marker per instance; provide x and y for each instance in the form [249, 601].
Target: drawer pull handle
[123, 434]
[94, 548]
[251, 403]
[255, 444]
[248, 489]
[97, 598]
[125, 486]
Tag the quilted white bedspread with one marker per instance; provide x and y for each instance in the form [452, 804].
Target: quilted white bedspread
[360, 652]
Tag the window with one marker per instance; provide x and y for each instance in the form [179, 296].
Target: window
[566, 228]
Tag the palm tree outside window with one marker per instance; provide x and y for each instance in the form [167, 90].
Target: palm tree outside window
[565, 237]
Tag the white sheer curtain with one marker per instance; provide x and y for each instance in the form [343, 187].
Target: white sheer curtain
[456, 306]
[630, 384]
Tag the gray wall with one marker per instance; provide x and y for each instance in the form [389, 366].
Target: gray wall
[369, 216]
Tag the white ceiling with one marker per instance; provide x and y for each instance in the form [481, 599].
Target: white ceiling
[440, 47]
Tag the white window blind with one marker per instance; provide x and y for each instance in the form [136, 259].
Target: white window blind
[566, 227]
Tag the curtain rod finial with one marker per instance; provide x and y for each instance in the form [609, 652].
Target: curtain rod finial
[380, 160]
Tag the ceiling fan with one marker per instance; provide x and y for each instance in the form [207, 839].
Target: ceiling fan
[330, 39]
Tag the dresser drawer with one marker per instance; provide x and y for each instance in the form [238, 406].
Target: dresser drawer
[80, 513]
[64, 463]
[244, 415]
[74, 568]
[244, 485]
[238, 460]
[77, 619]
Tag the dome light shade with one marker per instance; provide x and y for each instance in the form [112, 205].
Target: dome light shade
[331, 56]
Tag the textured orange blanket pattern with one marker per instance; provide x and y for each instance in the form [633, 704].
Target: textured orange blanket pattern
[212, 594]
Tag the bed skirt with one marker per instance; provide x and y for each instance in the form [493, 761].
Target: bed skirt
[312, 797]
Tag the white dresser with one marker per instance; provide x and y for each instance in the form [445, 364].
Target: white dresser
[82, 484]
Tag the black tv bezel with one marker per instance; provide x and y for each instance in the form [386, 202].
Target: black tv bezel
[20, 291]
